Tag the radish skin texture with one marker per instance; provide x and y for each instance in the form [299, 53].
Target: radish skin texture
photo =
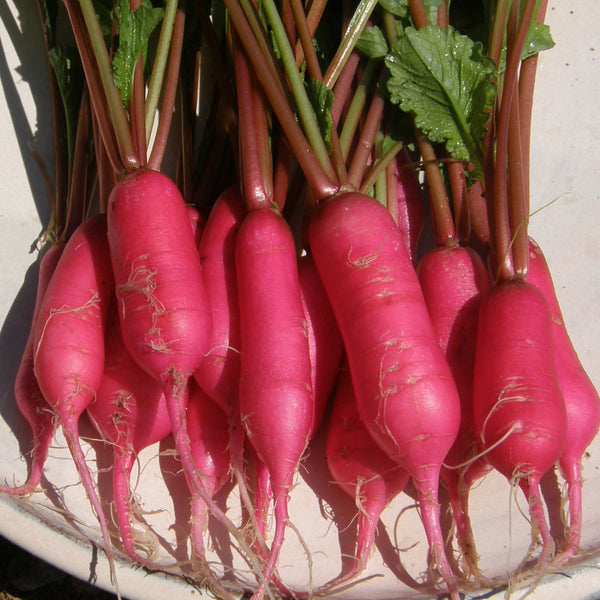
[275, 369]
[404, 389]
[130, 413]
[324, 337]
[361, 469]
[516, 395]
[69, 342]
[163, 305]
[581, 400]
[165, 315]
[454, 280]
[30, 400]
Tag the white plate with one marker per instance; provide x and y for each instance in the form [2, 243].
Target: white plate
[565, 181]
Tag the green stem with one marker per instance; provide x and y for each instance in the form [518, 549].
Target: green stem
[322, 184]
[357, 24]
[169, 94]
[303, 104]
[159, 65]
[378, 170]
[356, 107]
[115, 105]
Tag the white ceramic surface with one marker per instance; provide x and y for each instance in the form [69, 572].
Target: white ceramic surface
[566, 190]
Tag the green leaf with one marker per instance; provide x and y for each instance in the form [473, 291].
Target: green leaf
[321, 99]
[446, 82]
[398, 8]
[135, 28]
[538, 39]
[372, 43]
[66, 65]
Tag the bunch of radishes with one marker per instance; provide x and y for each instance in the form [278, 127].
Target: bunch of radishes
[243, 314]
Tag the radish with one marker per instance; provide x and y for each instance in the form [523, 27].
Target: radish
[275, 377]
[207, 427]
[580, 396]
[404, 388]
[29, 398]
[324, 338]
[454, 280]
[518, 407]
[130, 414]
[68, 342]
[361, 469]
[163, 305]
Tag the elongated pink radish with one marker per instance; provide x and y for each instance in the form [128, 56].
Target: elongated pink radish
[581, 401]
[361, 469]
[218, 373]
[130, 413]
[208, 428]
[404, 388]
[410, 203]
[163, 305]
[324, 337]
[68, 343]
[29, 398]
[275, 380]
[518, 407]
[454, 280]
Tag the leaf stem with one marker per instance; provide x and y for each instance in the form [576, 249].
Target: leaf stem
[159, 65]
[357, 24]
[322, 184]
[303, 105]
[115, 105]
[169, 93]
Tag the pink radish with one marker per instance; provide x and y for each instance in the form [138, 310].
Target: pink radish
[361, 469]
[324, 338]
[275, 380]
[29, 398]
[454, 280]
[518, 407]
[208, 429]
[404, 388]
[130, 414]
[218, 372]
[581, 400]
[68, 342]
[163, 304]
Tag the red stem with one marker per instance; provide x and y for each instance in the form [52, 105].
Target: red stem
[92, 77]
[169, 92]
[503, 235]
[255, 156]
[322, 184]
[364, 148]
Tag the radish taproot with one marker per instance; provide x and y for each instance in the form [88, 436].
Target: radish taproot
[68, 343]
[361, 469]
[454, 280]
[275, 370]
[404, 388]
[130, 413]
[163, 304]
[518, 407]
[28, 396]
[581, 402]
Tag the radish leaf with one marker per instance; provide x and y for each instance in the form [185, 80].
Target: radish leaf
[135, 28]
[321, 99]
[371, 42]
[445, 81]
